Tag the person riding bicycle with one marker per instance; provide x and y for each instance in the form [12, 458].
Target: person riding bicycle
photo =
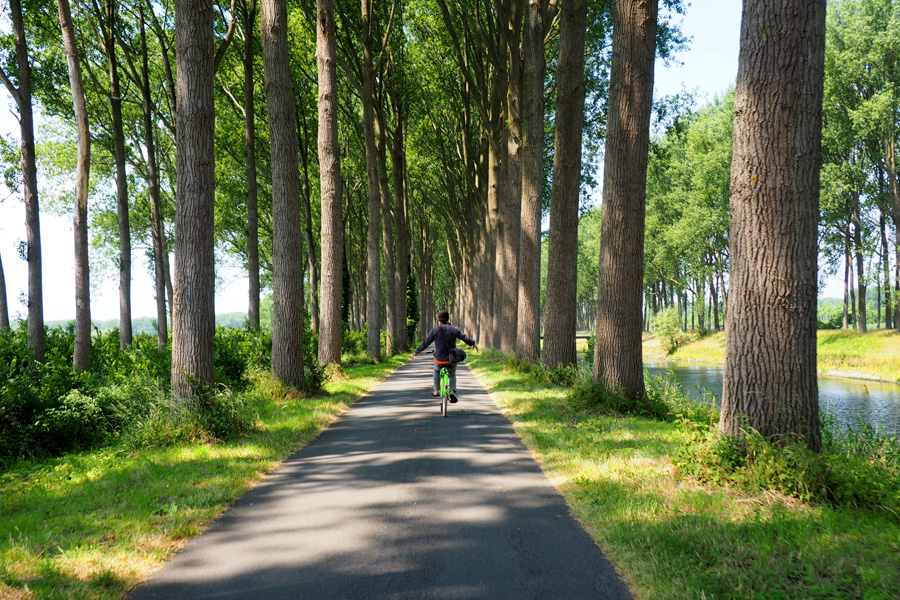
[444, 337]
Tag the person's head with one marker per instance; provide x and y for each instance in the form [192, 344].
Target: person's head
[443, 316]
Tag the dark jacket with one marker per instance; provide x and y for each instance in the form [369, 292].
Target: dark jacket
[444, 337]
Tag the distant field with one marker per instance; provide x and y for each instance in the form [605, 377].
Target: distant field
[148, 324]
[840, 352]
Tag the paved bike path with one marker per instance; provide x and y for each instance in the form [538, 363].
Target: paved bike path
[394, 501]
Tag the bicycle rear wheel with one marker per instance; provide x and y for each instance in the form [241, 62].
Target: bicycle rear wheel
[445, 391]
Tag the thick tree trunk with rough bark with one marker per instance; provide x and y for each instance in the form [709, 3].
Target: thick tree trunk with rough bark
[287, 253]
[617, 349]
[332, 231]
[249, 10]
[22, 95]
[82, 353]
[528, 335]
[770, 380]
[559, 320]
[193, 318]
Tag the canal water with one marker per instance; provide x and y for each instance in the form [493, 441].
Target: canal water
[848, 400]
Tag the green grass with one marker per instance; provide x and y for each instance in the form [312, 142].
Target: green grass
[94, 524]
[873, 355]
[674, 537]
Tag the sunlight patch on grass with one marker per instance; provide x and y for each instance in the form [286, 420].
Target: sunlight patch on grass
[94, 524]
[672, 537]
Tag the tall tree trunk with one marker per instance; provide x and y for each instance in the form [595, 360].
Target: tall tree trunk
[890, 165]
[23, 96]
[401, 223]
[617, 348]
[115, 97]
[332, 231]
[559, 321]
[287, 276]
[312, 259]
[391, 295]
[770, 380]
[853, 319]
[4, 308]
[373, 257]
[250, 167]
[156, 223]
[528, 334]
[511, 209]
[193, 312]
[896, 270]
[714, 299]
[82, 352]
[860, 266]
[886, 265]
[846, 321]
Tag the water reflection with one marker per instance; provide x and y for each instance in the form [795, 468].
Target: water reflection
[848, 400]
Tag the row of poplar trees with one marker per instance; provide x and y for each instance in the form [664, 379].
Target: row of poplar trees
[492, 219]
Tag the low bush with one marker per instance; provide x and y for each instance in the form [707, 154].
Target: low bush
[606, 399]
[563, 376]
[858, 468]
[668, 330]
[47, 409]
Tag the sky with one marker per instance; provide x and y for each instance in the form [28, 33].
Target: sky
[707, 68]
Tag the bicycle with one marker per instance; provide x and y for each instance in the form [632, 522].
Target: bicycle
[445, 391]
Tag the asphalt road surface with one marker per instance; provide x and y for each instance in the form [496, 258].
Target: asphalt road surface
[395, 501]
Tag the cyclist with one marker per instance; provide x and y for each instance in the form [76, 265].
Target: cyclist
[444, 337]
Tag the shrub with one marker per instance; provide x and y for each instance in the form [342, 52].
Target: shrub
[668, 330]
[602, 397]
[226, 415]
[860, 469]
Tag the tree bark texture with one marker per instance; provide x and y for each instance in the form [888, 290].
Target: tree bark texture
[157, 231]
[287, 231]
[249, 8]
[23, 97]
[559, 321]
[193, 319]
[82, 353]
[528, 334]
[770, 382]
[332, 230]
[617, 348]
[311, 258]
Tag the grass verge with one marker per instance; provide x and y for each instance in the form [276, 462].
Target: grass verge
[677, 537]
[94, 524]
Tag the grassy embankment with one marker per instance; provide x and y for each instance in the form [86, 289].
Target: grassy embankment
[93, 524]
[874, 355]
[673, 536]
